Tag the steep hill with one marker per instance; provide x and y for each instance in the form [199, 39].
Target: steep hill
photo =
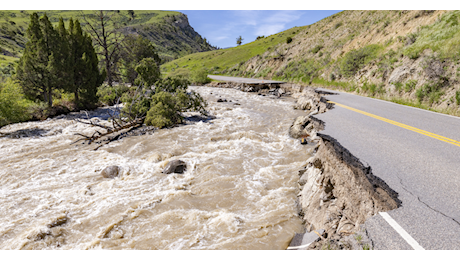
[169, 31]
[410, 57]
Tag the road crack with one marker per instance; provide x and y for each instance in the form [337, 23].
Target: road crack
[428, 206]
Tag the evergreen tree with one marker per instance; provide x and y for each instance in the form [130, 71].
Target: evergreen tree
[38, 68]
[55, 58]
[135, 49]
[84, 75]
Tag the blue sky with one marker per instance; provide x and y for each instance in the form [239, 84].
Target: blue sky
[222, 27]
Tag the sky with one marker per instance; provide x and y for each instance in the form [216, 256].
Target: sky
[222, 27]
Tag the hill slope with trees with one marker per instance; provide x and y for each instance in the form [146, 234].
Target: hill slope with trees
[169, 31]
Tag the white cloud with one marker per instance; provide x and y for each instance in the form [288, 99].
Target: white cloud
[277, 22]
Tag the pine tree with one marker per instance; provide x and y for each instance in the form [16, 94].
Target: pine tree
[135, 49]
[38, 68]
[85, 75]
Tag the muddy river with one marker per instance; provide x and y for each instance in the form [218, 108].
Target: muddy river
[238, 192]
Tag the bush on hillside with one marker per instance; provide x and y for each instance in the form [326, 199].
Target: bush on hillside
[288, 40]
[354, 60]
[200, 76]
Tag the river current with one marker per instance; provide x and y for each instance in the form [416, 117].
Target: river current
[238, 192]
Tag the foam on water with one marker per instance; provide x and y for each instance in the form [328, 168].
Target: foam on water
[238, 192]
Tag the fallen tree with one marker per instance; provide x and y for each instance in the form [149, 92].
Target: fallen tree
[157, 106]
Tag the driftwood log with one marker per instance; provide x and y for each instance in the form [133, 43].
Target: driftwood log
[109, 133]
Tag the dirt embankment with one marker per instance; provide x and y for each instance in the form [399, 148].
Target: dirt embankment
[337, 192]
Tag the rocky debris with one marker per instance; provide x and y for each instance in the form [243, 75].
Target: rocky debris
[175, 166]
[338, 193]
[110, 172]
[221, 100]
[304, 126]
[263, 89]
[312, 101]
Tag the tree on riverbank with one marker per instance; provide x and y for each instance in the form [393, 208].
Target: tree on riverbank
[56, 58]
[38, 68]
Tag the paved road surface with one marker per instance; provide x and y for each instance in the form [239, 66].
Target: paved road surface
[242, 80]
[420, 166]
[417, 154]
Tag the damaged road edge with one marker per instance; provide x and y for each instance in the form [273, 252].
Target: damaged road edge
[337, 192]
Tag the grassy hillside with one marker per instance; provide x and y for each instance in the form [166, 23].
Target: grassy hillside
[169, 31]
[224, 60]
[409, 57]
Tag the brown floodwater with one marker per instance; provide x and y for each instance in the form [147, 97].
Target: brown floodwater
[239, 190]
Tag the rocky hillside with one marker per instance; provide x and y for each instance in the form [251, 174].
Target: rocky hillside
[173, 36]
[409, 57]
[169, 31]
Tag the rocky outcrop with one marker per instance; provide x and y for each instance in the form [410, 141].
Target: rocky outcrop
[305, 126]
[175, 166]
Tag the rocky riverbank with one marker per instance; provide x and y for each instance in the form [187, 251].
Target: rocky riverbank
[337, 192]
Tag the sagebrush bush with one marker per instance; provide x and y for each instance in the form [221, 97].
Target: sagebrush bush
[288, 40]
[354, 60]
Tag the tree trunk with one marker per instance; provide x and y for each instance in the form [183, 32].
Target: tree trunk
[76, 97]
[50, 97]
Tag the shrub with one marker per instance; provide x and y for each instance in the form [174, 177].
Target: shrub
[457, 97]
[316, 49]
[13, 105]
[108, 95]
[148, 71]
[288, 40]
[410, 85]
[200, 76]
[431, 91]
[354, 60]
[398, 86]
[167, 107]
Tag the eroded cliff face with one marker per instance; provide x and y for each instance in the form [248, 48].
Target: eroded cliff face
[173, 38]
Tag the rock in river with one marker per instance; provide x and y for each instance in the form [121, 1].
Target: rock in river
[110, 172]
[176, 166]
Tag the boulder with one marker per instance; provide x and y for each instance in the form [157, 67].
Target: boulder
[176, 166]
[110, 172]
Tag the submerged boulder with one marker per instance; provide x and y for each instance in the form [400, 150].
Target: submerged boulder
[176, 166]
[110, 172]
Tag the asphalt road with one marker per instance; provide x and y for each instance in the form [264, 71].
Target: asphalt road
[408, 149]
[242, 80]
[423, 170]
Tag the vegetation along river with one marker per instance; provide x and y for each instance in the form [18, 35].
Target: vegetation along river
[238, 192]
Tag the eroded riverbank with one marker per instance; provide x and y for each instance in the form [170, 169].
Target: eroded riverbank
[338, 193]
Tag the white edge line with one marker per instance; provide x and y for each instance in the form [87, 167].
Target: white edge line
[298, 247]
[401, 231]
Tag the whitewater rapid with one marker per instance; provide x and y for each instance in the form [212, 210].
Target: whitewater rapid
[239, 190]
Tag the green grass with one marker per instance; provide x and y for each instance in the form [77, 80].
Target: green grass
[225, 59]
[443, 36]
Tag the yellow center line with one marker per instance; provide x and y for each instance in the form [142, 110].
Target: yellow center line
[420, 131]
